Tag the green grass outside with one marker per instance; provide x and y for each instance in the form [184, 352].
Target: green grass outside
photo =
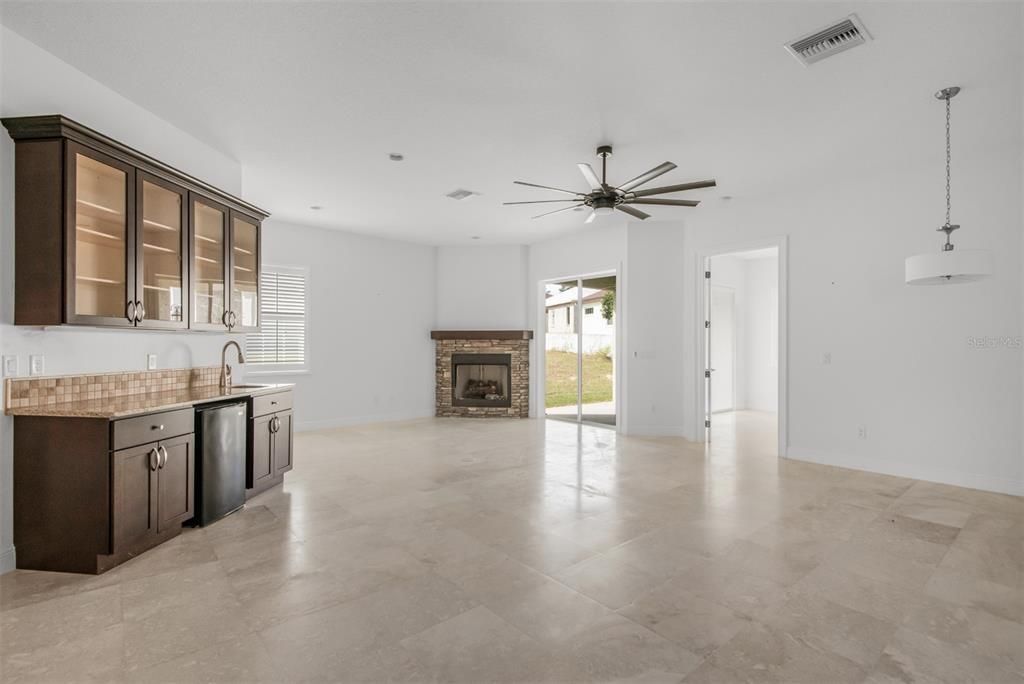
[561, 378]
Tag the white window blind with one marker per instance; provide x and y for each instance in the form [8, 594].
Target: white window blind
[281, 340]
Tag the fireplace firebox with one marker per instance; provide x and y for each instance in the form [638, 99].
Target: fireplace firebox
[482, 380]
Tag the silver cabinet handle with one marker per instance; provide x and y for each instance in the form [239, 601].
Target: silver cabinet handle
[275, 424]
[163, 451]
[224, 320]
[233, 317]
[129, 312]
[155, 452]
[156, 427]
[140, 308]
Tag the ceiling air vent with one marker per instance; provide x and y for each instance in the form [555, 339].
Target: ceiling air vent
[460, 194]
[831, 40]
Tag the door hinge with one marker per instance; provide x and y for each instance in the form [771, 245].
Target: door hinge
[707, 423]
[707, 274]
[707, 324]
[707, 374]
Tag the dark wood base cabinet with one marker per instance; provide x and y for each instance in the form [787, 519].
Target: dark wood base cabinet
[91, 493]
[270, 442]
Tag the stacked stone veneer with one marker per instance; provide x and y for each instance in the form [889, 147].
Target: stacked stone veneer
[519, 371]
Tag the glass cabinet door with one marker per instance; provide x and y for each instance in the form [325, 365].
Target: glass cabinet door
[101, 258]
[245, 308]
[209, 275]
[161, 244]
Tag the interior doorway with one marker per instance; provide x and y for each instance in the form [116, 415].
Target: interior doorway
[579, 350]
[743, 359]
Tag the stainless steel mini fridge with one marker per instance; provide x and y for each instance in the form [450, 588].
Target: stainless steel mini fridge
[220, 461]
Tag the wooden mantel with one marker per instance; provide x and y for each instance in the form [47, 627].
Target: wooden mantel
[481, 334]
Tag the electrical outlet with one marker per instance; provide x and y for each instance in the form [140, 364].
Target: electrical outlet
[150, 361]
[862, 432]
[10, 366]
[826, 359]
[36, 364]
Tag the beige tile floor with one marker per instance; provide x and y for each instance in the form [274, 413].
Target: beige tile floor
[474, 551]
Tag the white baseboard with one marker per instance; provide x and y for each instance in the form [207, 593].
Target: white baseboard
[349, 421]
[7, 560]
[956, 478]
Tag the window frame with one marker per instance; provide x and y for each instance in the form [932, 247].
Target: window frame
[283, 368]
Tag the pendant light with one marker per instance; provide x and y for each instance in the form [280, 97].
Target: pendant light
[950, 265]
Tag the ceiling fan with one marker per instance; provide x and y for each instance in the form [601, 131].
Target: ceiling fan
[604, 198]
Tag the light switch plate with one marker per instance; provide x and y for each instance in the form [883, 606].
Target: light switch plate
[36, 364]
[150, 361]
[10, 366]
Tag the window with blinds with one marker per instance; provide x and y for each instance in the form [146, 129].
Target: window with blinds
[281, 340]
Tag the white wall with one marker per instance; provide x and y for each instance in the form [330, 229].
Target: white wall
[370, 311]
[482, 287]
[33, 81]
[760, 335]
[934, 407]
[654, 389]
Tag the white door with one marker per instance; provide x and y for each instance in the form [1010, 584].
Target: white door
[722, 348]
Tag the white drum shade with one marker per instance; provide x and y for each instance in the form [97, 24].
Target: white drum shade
[954, 266]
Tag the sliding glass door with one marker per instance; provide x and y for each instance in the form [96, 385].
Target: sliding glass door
[561, 360]
[579, 343]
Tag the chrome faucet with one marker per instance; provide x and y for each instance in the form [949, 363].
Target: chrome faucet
[225, 369]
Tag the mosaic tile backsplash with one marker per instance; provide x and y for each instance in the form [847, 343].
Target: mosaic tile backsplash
[24, 392]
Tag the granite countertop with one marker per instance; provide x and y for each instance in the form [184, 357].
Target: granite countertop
[139, 404]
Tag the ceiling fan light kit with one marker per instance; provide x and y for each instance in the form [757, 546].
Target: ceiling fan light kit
[604, 199]
[949, 265]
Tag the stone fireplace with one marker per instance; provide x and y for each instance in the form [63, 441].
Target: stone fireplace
[483, 373]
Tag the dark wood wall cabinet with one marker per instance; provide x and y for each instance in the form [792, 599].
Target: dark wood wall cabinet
[108, 236]
[91, 493]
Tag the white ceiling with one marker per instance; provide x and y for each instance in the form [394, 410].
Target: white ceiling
[311, 97]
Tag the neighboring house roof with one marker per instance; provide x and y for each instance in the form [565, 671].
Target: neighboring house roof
[590, 294]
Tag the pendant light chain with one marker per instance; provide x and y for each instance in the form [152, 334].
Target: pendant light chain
[949, 265]
[948, 165]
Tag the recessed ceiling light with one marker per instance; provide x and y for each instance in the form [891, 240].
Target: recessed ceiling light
[395, 156]
[474, 237]
[726, 198]
[315, 207]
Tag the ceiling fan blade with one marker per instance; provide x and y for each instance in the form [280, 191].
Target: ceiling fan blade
[546, 187]
[635, 213]
[676, 188]
[539, 201]
[591, 217]
[666, 202]
[647, 177]
[592, 180]
[548, 213]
